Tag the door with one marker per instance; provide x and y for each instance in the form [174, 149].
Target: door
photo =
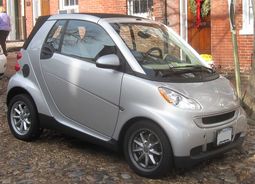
[199, 38]
[45, 7]
[14, 10]
[80, 91]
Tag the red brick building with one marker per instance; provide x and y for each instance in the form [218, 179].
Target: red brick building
[212, 37]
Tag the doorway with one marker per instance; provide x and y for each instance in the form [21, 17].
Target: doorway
[199, 37]
[45, 7]
[16, 13]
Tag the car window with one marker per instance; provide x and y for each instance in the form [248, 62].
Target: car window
[86, 40]
[54, 36]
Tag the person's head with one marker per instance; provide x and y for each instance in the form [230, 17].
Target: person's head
[2, 9]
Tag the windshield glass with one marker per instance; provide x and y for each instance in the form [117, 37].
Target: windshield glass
[161, 54]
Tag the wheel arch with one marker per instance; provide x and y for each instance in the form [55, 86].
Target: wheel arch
[16, 91]
[131, 121]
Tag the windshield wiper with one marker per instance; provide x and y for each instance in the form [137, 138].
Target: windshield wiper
[178, 70]
[194, 68]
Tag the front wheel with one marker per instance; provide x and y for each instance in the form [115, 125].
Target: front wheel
[147, 149]
[22, 118]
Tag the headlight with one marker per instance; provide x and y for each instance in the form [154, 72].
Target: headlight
[178, 100]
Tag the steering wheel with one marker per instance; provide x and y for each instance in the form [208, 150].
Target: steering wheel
[149, 52]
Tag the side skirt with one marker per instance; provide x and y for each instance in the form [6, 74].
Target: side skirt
[50, 123]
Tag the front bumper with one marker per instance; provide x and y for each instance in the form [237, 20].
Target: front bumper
[197, 155]
[192, 143]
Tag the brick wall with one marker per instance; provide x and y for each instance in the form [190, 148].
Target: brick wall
[159, 10]
[54, 6]
[29, 17]
[222, 49]
[100, 6]
[173, 12]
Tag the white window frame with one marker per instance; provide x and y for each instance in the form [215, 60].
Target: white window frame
[147, 14]
[36, 10]
[248, 22]
[62, 6]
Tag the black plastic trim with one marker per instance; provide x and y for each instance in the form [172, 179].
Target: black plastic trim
[40, 21]
[190, 161]
[176, 80]
[218, 118]
[51, 123]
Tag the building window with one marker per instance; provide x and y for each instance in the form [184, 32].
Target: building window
[248, 22]
[142, 8]
[70, 2]
[68, 6]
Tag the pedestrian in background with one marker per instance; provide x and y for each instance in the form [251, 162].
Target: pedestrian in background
[5, 28]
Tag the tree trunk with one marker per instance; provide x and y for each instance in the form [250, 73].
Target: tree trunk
[249, 99]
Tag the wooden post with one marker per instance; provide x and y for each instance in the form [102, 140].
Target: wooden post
[235, 47]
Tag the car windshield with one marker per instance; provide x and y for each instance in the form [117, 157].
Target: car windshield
[161, 54]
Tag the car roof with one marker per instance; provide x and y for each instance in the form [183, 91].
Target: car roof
[107, 15]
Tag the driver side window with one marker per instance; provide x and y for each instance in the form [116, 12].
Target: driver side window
[86, 40]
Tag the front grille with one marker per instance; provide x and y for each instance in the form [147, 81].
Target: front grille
[218, 118]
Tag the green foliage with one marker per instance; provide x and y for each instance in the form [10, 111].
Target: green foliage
[205, 8]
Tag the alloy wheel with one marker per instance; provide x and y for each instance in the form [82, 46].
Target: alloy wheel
[20, 118]
[146, 149]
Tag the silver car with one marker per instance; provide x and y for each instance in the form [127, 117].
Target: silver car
[127, 83]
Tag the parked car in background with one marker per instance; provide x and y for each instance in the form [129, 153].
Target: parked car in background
[124, 82]
[3, 61]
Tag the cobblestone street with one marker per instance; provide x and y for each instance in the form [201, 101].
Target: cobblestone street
[56, 158]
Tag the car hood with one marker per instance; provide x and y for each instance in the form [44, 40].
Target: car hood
[214, 96]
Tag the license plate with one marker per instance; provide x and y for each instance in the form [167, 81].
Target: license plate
[224, 136]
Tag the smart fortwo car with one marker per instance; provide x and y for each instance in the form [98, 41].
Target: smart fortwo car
[123, 82]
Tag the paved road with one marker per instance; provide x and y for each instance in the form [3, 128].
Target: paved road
[56, 158]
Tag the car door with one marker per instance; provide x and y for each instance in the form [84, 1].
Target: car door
[79, 89]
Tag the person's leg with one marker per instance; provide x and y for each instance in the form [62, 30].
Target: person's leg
[3, 37]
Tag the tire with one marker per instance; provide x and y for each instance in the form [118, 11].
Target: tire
[142, 152]
[22, 118]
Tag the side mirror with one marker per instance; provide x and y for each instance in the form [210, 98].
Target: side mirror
[110, 61]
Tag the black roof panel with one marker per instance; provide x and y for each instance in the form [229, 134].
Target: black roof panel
[40, 21]
[108, 15]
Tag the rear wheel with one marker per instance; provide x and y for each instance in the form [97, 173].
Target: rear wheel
[147, 149]
[22, 118]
